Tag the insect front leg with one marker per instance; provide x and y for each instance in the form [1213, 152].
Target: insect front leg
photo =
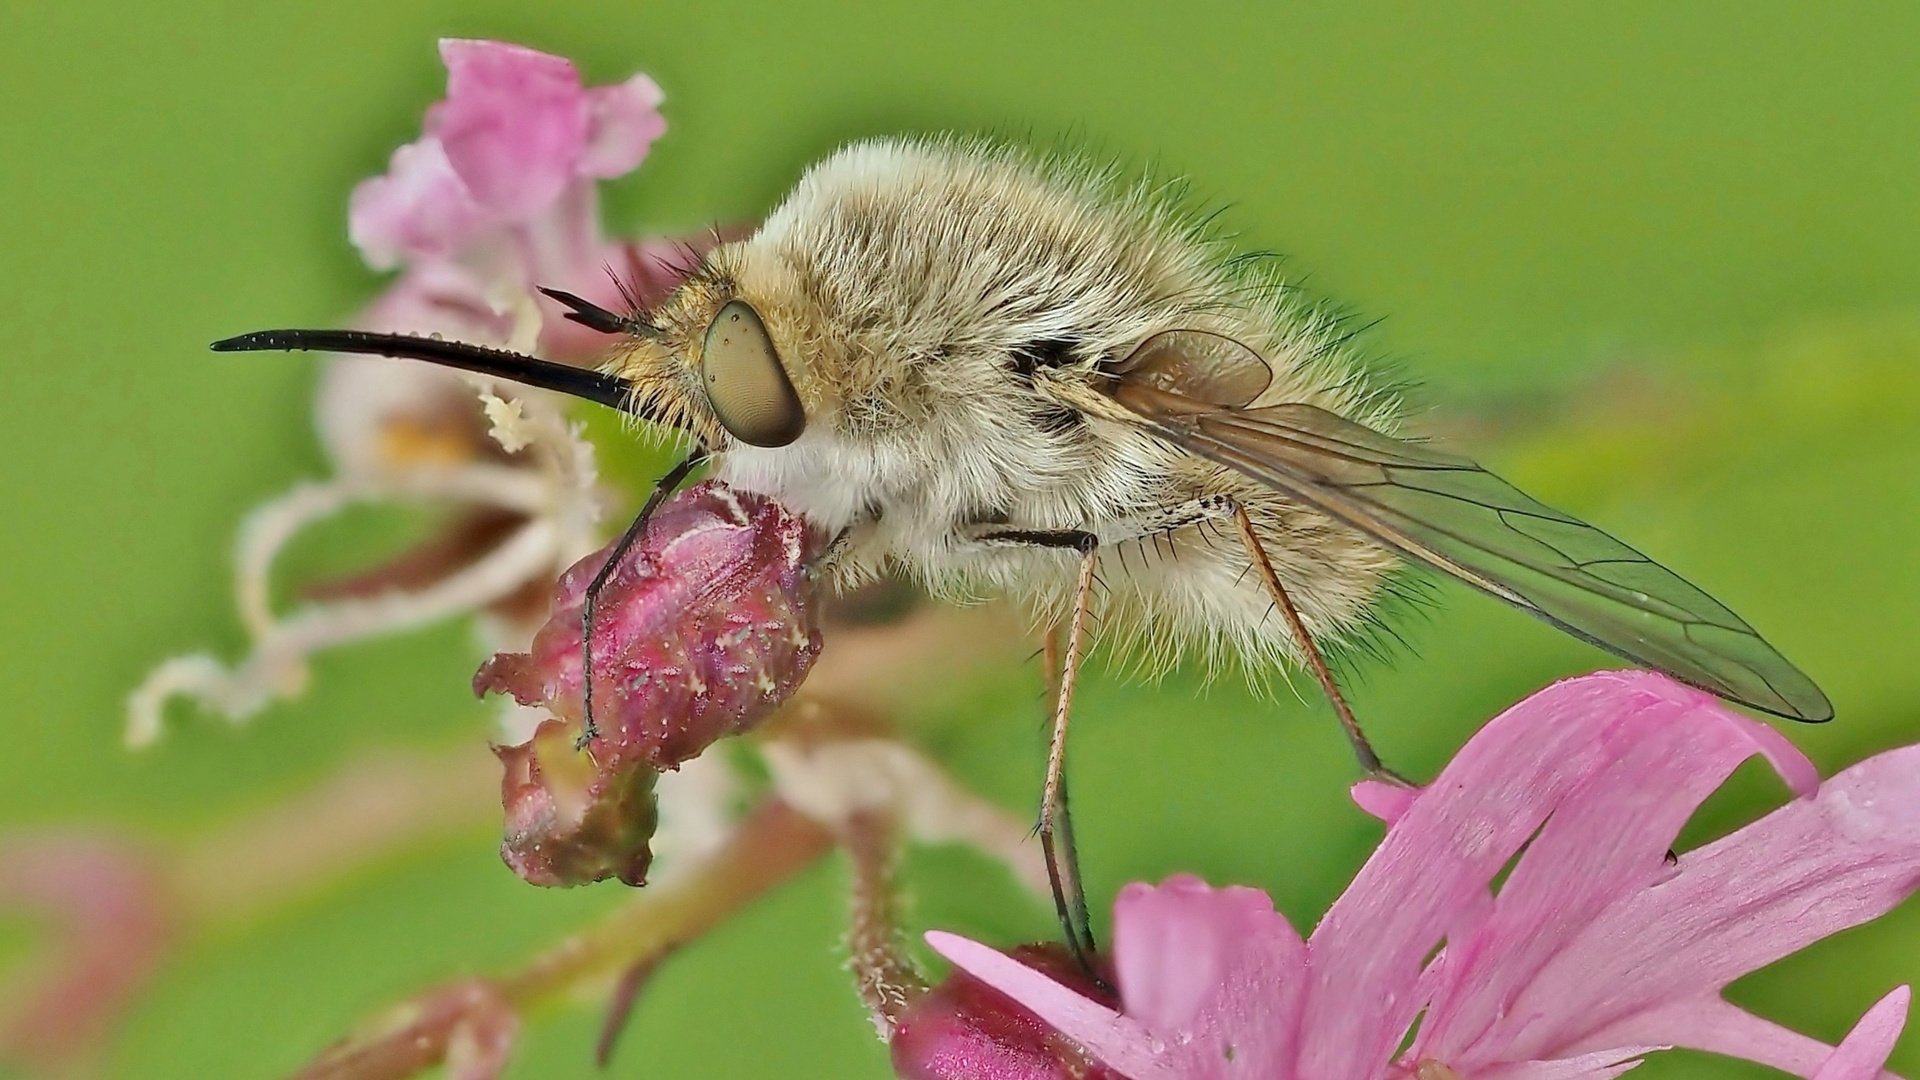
[591, 602]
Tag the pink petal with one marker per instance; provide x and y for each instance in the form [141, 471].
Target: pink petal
[1216, 975]
[1438, 859]
[1716, 1026]
[1382, 799]
[1606, 841]
[514, 124]
[1172, 945]
[1814, 867]
[561, 245]
[437, 297]
[623, 120]
[419, 208]
[1864, 1052]
[1602, 1065]
[1108, 1036]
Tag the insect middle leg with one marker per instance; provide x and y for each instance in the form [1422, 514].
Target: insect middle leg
[1218, 507]
[1056, 822]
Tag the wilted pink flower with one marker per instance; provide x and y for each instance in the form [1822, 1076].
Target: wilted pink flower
[571, 820]
[469, 1025]
[1593, 952]
[496, 197]
[705, 628]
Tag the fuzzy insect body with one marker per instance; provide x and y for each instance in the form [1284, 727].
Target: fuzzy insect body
[986, 357]
[944, 310]
[999, 373]
[970, 364]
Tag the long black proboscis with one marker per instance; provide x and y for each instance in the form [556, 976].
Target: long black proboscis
[609, 390]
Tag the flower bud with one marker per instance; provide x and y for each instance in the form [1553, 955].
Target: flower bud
[704, 628]
[963, 1029]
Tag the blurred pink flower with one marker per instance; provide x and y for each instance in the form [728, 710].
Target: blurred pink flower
[1594, 951]
[517, 143]
[111, 920]
[499, 195]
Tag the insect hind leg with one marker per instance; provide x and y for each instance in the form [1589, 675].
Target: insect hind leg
[1362, 749]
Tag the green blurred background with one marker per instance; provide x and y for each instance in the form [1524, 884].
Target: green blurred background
[1659, 263]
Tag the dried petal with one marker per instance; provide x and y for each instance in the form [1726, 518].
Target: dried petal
[569, 822]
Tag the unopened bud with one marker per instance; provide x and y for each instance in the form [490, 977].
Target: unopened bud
[964, 1029]
[703, 629]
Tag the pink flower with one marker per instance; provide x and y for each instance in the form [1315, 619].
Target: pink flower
[964, 1029]
[1593, 952]
[516, 140]
[111, 920]
[499, 195]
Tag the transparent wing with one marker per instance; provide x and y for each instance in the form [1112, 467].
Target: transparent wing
[1210, 368]
[1451, 514]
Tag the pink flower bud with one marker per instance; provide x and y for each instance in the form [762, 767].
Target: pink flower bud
[964, 1029]
[706, 626]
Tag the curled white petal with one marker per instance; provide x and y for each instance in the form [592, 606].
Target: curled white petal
[699, 805]
[277, 666]
[830, 781]
[269, 527]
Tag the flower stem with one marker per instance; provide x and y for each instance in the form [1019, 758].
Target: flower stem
[772, 845]
[475, 1019]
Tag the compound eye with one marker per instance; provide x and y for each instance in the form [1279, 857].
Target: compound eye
[745, 383]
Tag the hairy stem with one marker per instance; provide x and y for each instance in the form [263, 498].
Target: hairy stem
[884, 977]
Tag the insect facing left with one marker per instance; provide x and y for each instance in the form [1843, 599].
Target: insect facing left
[1002, 373]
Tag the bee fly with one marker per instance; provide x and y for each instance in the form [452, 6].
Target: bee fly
[994, 372]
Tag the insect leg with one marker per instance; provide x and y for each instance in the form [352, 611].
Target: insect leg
[1362, 749]
[1056, 823]
[590, 731]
